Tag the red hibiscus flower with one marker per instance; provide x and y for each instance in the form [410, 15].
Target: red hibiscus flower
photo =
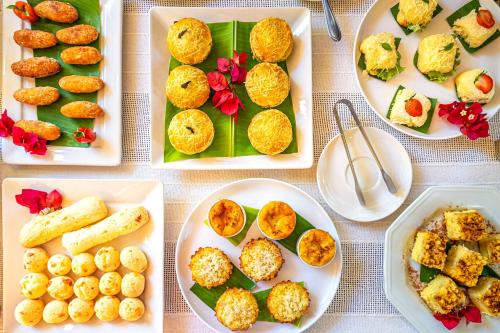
[228, 102]
[38, 201]
[6, 125]
[468, 116]
[452, 320]
[84, 135]
[217, 81]
[29, 141]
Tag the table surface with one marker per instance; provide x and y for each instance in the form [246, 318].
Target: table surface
[360, 304]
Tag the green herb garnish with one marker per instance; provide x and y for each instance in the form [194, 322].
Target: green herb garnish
[448, 47]
[426, 1]
[438, 76]
[488, 271]
[386, 46]
[427, 274]
[385, 74]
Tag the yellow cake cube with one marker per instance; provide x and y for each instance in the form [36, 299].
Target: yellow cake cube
[429, 249]
[442, 295]
[490, 248]
[464, 265]
[486, 296]
[466, 225]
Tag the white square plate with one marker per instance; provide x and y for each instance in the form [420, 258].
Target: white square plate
[397, 288]
[117, 194]
[299, 67]
[107, 149]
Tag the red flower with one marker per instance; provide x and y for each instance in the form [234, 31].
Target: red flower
[84, 135]
[228, 102]
[450, 321]
[223, 65]
[471, 314]
[239, 59]
[469, 117]
[6, 124]
[479, 129]
[37, 201]
[217, 81]
[29, 141]
[238, 74]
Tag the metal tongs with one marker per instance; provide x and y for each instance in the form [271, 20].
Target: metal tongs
[387, 179]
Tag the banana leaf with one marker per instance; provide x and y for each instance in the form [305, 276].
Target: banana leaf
[89, 13]
[230, 135]
[463, 11]
[395, 12]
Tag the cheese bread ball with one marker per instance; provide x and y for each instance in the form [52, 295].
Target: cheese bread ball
[80, 311]
[131, 309]
[106, 308]
[87, 288]
[267, 85]
[60, 288]
[271, 40]
[191, 131]
[29, 312]
[466, 86]
[133, 284]
[55, 312]
[59, 264]
[237, 309]
[107, 259]
[110, 283]
[187, 87]
[83, 264]
[34, 285]
[189, 41]
[35, 260]
[134, 259]
[270, 132]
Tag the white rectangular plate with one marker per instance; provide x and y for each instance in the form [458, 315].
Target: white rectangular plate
[117, 194]
[107, 149]
[299, 68]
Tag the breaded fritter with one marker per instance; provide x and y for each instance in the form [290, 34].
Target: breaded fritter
[37, 95]
[81, 34]
[44, 130]
[81, 84]
[81, 55]
[34, 39]
[36, 67]
[57, 11]
[82, 109]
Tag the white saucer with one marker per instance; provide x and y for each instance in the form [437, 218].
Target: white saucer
[336, 183]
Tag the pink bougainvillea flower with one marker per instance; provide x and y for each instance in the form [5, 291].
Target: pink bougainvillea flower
[29, 141]
[223, 65]
[54, 200]
[471, 314]
[84, 135]
[479, 129]
[37, 201]
[238, 74]
[469, 116]
[6, 125]
[217, 81]
[228, 102]
[239, 59]
[450, 321]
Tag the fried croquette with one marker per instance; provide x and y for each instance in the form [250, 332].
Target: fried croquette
[37, 95]
[210, 267]
[237, 309]
[57, 11]
[81, 34]
[81, 55]
[81, 84]
[288, 301]
[44, 130]
[36, 67]
[82, 109]
[34, 39]
[261, 259]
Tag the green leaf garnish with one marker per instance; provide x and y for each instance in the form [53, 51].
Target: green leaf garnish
[427, 274]
[479, 76]
[414, 27]
[488, 271]
[386, 46]
[426, 1]
[448, 47]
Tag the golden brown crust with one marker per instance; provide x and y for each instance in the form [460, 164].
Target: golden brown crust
[267, 85]
[210, 267]
[187, 87]
[34, 39]
[271, 40]
[44, 130]
[189, 41]
[261, 259]
[270, 132]
[82, 109]
[57, 11]
[81, 84]
[36, 67]
[277, 220]
[191, 131]
[37, 95]
[288, 301]
[81, 55]
[237, 309]
[81, 34]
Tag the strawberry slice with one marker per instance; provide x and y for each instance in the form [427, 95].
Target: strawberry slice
[485, 19]
[413, 107]
[484, 82]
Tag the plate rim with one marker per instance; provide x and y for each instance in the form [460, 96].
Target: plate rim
[237, 182]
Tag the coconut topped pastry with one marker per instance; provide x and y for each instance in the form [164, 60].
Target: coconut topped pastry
[276, 220]
[210, 267]
[261, 259]
[191, 131]
[271, 40]
[187, 87]
[416, 14]
[475, 85]
[476, 27]
[270, 132]
[189, 41]
[267, 85]
[288, 301]
[237, 309]
[226, 218]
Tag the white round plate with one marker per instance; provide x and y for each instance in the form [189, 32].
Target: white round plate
[379, 94]
[322, 283]
[336, 183]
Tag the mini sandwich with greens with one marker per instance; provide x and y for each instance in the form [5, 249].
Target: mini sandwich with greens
[380, 57]
[437, 57]
[415, 15]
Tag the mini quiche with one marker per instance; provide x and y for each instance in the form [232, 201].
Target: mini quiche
[410, 108]
[437, 57]
[316, 248]
[276, 220]
[189, 40]
[380, 57]
[414, 15]
[476, 27]
[475, 85]
[227, 218]
[261, 259]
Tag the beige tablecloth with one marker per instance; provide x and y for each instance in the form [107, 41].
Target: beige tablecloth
[360, 304]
